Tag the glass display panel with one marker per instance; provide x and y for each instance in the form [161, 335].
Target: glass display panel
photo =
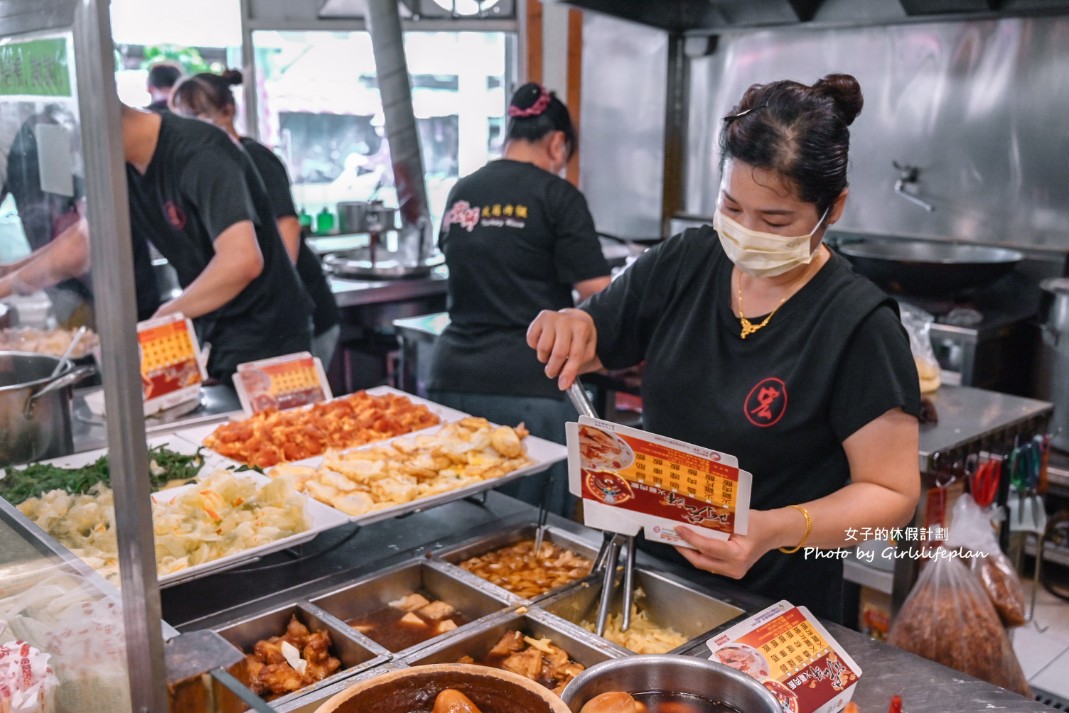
[320, 110]
[59, 618]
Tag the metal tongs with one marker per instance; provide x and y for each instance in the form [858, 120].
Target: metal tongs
[613, 545]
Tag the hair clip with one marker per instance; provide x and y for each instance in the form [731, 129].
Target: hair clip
[540, 105]
[741, 114]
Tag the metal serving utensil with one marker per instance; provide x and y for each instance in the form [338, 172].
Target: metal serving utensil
[613, 546]
[70, 350]
[543, 514]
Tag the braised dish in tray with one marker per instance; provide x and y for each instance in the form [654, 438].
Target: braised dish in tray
[408, 621]
[520, 570]
[271, 437]
[540, 660]
[289, 662]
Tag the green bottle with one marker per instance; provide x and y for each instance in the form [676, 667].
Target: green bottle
[324, 222]
[305, 221]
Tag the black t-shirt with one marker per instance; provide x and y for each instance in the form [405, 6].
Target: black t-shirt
[198, 184]
[832, 359]
[309, 269]
[516, 238]
[159, 106]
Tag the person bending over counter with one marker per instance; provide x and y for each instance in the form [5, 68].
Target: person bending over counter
[760, 342]
[517, 239]
[208, 97]
[196, 196]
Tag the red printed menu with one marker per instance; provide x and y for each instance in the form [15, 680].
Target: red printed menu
[281, 383]
[171, 371]
[792, 655]
[633, 480]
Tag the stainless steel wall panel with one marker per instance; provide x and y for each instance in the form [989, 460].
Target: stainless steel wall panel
[979, 107]
[621, 128]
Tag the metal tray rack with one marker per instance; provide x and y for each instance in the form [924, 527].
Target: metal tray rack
[492, 611]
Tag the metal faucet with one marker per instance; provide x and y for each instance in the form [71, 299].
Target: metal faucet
[908, 176]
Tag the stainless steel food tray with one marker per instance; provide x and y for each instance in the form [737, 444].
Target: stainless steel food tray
[669, 602]
[379, 589]
[454, 554]
[582, 646]
[357, 653]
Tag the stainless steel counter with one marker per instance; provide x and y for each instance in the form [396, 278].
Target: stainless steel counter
[90, 431]
[968, 416]
[346, 554]
[357, 293]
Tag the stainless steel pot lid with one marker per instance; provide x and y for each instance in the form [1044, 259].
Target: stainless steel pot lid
[19, 370]
[1057, 285]
[388, 267]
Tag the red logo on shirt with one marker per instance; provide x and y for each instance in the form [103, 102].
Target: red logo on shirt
[766, 403]
[463, 214]
[175, 215]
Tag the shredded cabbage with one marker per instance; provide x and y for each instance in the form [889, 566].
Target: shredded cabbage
[222, 515]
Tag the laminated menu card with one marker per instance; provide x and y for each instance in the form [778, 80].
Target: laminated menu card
[171, 368]
[281, 383]
[633, 480]
[792, 655]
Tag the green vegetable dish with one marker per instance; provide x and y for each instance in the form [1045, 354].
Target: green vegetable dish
[165, 466]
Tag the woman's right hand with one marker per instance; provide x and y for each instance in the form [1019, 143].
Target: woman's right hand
[566, 342]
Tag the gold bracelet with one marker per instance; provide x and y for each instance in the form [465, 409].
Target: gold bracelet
[808, 529]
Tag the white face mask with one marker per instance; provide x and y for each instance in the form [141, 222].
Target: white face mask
[763, 254]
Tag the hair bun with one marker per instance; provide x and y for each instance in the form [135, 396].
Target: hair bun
[232, 77]
[532, 99]
[845, 91]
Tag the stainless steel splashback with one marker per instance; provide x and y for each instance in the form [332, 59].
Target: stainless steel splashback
[621, 128]
[979, 108]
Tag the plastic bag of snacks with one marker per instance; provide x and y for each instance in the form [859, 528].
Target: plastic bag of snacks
[948, 618]
[918, 324]
[27, 684]
[970, 529]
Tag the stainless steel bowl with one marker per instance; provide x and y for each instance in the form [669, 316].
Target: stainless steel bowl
[671, 674]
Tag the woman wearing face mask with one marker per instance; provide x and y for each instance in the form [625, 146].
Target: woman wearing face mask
[517, 239]
[760, 342]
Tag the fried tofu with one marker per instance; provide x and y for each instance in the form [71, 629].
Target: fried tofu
[437, 610]
[410, 602]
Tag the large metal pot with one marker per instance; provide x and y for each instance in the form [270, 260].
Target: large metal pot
[1053, 371]
[363, 217]
[671, 674]
[35, 407]
[929, 269]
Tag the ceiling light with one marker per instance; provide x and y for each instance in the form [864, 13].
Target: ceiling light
[466, 7]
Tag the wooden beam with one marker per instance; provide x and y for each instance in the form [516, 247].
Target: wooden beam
[575, 82]
[535, 48]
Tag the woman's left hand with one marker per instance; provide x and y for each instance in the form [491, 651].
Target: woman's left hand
[732, 557]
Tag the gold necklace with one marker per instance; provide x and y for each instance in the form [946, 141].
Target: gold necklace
[749, 327]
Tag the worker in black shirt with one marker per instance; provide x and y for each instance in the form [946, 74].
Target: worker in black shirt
[209, 97]
[517, 239]
[760, 342]
[55, 229]
[162, 77]
[46, 216]
[195, 195]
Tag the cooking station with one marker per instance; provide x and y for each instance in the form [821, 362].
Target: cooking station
[370, 305]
